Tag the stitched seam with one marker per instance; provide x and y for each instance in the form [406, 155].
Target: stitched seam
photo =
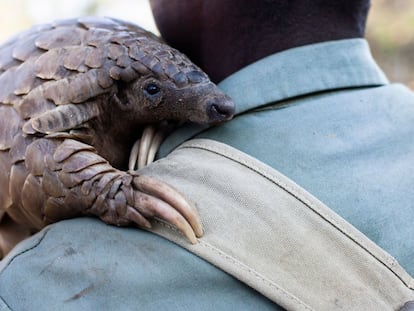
[4, 301]
[388, 262]
[26, 250]
[244, 267]
[17, 255]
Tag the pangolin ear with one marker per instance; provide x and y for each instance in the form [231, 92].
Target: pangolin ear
[62, 118]
[121, 98]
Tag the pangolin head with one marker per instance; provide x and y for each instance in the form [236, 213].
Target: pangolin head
[162, 83]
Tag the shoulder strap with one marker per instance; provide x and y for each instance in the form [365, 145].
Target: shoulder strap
[270, 233]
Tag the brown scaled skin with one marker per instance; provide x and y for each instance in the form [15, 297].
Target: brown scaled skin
[74, 96]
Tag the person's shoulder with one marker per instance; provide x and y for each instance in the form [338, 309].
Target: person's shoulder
[395, 96]
[82, 258]
[84, 264]
[62, 238]
[398, 90]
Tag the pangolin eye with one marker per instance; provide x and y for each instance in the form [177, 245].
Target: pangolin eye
[152, 89]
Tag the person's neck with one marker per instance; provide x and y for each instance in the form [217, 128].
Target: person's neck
[223, 55]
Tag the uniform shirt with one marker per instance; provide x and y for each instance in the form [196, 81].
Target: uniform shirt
[323, 114]
[326, 117]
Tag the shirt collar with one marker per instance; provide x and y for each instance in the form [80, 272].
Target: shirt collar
[295, 72]
[304, 70]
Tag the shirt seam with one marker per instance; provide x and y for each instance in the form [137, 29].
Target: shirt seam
[10, 261]
[388, 262]
[243, 267]
[5, 303]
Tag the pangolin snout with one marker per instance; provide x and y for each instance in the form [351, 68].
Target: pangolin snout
[220, 109]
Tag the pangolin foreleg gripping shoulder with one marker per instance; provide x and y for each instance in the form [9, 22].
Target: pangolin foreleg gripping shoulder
[74, 96]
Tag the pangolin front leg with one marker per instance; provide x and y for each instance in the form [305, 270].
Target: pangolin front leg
[75, 181]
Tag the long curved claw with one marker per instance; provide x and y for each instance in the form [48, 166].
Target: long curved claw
[163, 129]
[144, 146]
[155, 145]
[133, 215]
[133, 157]
[154, 197]
[150, 206]
[168, 195]
[144, 149]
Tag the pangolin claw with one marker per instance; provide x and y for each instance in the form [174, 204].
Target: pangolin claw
[159, 199]
[168, 204]
[144, 149]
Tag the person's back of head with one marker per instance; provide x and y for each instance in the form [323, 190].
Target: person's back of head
[223, 36]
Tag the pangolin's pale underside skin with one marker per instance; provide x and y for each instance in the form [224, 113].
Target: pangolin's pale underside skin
[74, 96]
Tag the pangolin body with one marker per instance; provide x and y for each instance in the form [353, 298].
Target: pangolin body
[73, 96]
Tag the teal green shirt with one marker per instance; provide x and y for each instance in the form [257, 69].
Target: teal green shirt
[326, 116]
[323, 114]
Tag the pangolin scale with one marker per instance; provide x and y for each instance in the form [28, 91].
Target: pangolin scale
[74, 96]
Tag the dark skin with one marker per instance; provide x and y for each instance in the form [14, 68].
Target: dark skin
[223, 36]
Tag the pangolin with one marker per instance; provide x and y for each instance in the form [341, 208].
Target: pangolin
[74, 96]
